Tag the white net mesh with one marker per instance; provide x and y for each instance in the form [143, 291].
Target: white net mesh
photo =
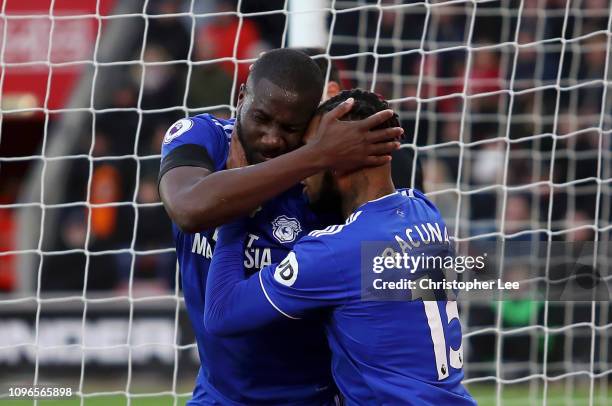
[506, 104]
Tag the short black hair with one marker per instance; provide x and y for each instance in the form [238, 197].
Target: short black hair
[323, 62]
[366, 104]
[291, 70]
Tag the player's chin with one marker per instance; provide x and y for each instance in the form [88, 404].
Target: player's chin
[257, 159]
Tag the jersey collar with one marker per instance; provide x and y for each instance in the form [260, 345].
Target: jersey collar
[383, 202]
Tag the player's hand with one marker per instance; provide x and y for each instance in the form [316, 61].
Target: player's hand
[236, 157]
[349, 145]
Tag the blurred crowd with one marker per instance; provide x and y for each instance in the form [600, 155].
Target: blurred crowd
[512, 132]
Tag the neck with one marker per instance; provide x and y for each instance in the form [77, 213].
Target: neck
[366, 185]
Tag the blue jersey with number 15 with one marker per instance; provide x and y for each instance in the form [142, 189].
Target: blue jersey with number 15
[383, 352]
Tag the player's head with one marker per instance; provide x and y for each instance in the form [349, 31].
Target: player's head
[276, 104]
[327, 190]
[334, 85]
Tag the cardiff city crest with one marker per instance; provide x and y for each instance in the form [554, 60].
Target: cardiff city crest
[286, 229]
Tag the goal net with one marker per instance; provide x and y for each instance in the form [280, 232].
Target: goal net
[506, 104]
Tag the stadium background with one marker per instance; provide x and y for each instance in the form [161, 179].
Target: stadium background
[505, 102]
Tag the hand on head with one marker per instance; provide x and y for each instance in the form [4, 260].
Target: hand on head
[346, 146]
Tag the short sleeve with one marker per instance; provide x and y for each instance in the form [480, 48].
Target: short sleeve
[307, 279]
[195, 141]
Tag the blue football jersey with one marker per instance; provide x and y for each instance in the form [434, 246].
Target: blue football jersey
[284, 364]
[383, 352]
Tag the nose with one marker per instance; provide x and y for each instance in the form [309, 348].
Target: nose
[272, 140]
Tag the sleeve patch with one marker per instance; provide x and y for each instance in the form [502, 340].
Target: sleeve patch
[286, 272]
[186, 155]
[178, 128]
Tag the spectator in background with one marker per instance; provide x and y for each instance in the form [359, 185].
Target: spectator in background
[437, 177]
[118, 128]
[489, 163]
[450, 30]
[169, 32]
[161, 83]
[454, 73]
[68, 271]
[484, 77]
[156, 271]
[163, 87]
[220, 37]
[518, 214]
[111, 224]
[577, 226]
[526, 62]
[105, 189]
[210, 83]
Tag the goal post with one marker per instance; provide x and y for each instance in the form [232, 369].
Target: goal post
[310, 14]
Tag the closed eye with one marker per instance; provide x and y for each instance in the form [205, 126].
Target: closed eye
[260, 117]
[292, 129]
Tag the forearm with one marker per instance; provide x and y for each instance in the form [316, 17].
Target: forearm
[234, 304]
[229, 194]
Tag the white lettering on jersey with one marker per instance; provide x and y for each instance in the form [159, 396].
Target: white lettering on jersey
[178, 128]
[257, 258]
[201, 246]
[287, 271]
[252, 238]
[254, 257]
[427, 233]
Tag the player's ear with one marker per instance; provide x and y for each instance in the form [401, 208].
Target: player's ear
[241, 95]
[332, 89]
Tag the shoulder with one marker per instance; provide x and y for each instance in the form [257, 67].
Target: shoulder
[340, 237]
[198, 128]
[424, 208]
[224, 125]
[204, 131]
[336, 229]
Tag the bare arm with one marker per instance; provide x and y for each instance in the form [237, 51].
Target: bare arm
[197, 199]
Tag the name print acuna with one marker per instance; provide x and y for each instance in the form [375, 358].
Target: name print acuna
[422, 233]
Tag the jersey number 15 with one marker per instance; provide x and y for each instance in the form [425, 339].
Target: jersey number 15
[434, 320]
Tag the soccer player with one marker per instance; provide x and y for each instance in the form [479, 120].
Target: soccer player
[403, 160]
[384, 352]
[200, 191]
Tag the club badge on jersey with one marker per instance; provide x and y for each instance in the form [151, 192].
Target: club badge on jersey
[285, 229]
